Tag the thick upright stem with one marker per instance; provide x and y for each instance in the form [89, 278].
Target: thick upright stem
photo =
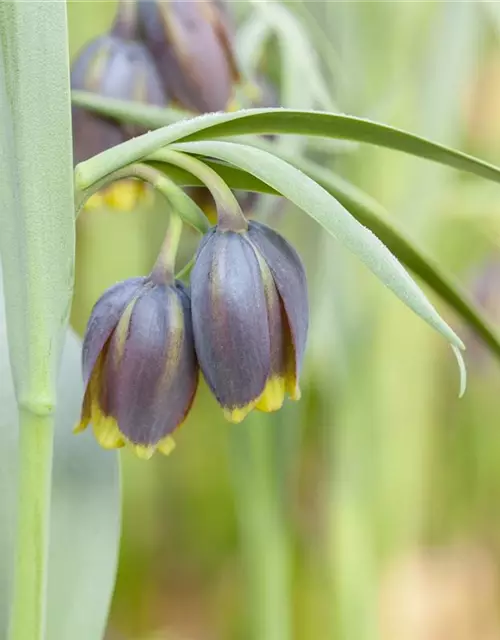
[37, 241]
[30, 583]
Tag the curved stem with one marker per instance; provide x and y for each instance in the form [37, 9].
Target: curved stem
[186, 270]
[229, 214]
[163, 271]
[140, 171]
[188, 210]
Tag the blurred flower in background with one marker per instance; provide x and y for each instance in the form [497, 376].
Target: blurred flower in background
[191, 43]
[114, 65]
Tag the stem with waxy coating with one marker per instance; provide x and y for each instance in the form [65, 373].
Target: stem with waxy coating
[163, 271]
[188, 210]
[37, 248]
[229, 214]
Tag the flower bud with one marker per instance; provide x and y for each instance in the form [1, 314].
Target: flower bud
[191, 43]
[139, 365]
[250, 318]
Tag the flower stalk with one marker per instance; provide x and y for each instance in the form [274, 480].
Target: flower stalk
[164, 268]
[229, 213]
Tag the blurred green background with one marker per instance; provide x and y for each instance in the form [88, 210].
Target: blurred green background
[368, 510]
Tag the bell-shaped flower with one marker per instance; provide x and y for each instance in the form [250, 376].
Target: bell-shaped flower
[250, 318]
[139, 365]
[113, 67]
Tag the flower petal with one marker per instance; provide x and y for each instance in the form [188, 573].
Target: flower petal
[151, 371]
[103, 319]
[290, 279]
[230, 322]
[273, 396]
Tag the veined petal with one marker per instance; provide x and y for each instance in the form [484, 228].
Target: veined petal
[290, 279]
[103, 319]
[104, 426]
[151, 371]
[273, 396]
[230, 322]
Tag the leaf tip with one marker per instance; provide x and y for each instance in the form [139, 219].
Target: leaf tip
[462, 369]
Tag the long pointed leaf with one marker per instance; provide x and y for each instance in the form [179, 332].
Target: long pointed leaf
[327, 211]
[371, 214]
[257, 121]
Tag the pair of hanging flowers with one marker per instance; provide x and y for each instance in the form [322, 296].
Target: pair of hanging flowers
[243, 319]
[243, 322]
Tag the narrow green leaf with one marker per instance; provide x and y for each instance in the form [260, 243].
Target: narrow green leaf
[327, 211]
[259, 121]
[85, 518]
[302, 83]
[250, 44]
[371, 214]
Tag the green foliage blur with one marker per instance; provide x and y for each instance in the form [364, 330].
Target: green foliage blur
[368, 510]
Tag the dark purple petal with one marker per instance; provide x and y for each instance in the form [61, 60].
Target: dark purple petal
[103, 319]
[290, 278]
[191, 50]
[230, 319]
[116, 68]
[151, 372]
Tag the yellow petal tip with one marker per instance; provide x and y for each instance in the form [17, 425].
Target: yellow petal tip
[238, 414]
[143, 452]
[166, 445]
[81, 426]
[273, 396]
[106, 432]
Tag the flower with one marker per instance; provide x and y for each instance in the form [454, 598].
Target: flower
[250, 318]
[114, 65]
[139, 365]
[191, 43]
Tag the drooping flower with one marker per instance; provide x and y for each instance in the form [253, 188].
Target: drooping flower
[139, 365]
[113, 65]
[191, 43]
[250, 318]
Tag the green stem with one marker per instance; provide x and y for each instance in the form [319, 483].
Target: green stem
[163, 271]
[188, 210]
[263, 530]
[186, 270]
[229, 213]
[30, 563]
[37, 244]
